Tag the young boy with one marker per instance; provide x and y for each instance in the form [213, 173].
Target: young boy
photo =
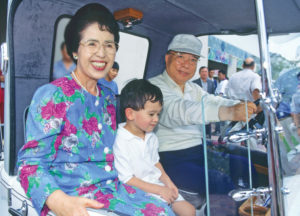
[136, 146]
[108, 80]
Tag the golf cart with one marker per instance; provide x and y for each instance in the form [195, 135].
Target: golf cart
[34, 32]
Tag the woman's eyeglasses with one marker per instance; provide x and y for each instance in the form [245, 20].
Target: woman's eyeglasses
[93, 46]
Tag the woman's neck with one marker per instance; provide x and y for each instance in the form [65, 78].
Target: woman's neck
[89, 85]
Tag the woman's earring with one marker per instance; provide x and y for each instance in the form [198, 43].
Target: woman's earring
[75, 57]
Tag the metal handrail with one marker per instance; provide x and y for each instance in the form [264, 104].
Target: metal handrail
[269, 102]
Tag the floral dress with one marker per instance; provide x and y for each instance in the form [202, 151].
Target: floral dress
[69, 136]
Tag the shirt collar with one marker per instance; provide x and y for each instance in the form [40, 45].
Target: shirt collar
[129, 136]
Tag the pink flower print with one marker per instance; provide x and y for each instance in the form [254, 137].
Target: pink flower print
[152, 210]
[86, 189]
[129, 189]
[112, 111]
[25, 172]
[31, 144]
[59, 110]
[57, 143]
[47, 111]
[69, 129]
[91, 125]
[109, 157]
[103, 198]
[55, 110]
[45, 210]
[68, 86]
[87, 127]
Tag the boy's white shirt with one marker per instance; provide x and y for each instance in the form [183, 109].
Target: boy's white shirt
[134, 156]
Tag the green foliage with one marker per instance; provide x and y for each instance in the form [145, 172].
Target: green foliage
[279, 63]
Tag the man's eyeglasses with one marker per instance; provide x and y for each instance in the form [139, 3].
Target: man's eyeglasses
[93, 46]
[184, 57]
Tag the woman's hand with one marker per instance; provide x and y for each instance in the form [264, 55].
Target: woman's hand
[64, 205]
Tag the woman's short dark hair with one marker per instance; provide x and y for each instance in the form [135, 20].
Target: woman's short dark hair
[136, 93]
[85, 16]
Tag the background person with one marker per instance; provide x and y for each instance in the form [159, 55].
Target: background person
[179, 130]
[64, 66]
[295, 107]
[67, 164]
[108, 81]
[245, 84]
[208, 86]
[136, 146]
[222, 85]
[221, 91]
[211, 74]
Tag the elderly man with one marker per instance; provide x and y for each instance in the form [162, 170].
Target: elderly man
[179, 129]
[245, 84]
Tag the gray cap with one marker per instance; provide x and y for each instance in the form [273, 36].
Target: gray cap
[186, 43]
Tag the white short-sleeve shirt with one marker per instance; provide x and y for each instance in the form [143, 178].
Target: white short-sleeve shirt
[136, 157]
[242, 84]
[221, 87]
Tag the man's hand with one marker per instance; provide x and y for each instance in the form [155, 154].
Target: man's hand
[64, 205]
[237, 112]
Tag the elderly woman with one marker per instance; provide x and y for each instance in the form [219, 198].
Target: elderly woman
[67, 163]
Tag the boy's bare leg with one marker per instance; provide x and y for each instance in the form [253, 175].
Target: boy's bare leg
[183, 208]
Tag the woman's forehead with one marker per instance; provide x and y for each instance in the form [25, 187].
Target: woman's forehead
[95, 31]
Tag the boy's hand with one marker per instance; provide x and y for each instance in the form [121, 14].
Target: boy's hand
[173, 187]
[167, 194]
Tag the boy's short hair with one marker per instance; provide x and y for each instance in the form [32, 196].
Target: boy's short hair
[115, 65]
[136, 93]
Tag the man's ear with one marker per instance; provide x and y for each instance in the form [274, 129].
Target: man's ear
[129, 113]
[167, 56]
